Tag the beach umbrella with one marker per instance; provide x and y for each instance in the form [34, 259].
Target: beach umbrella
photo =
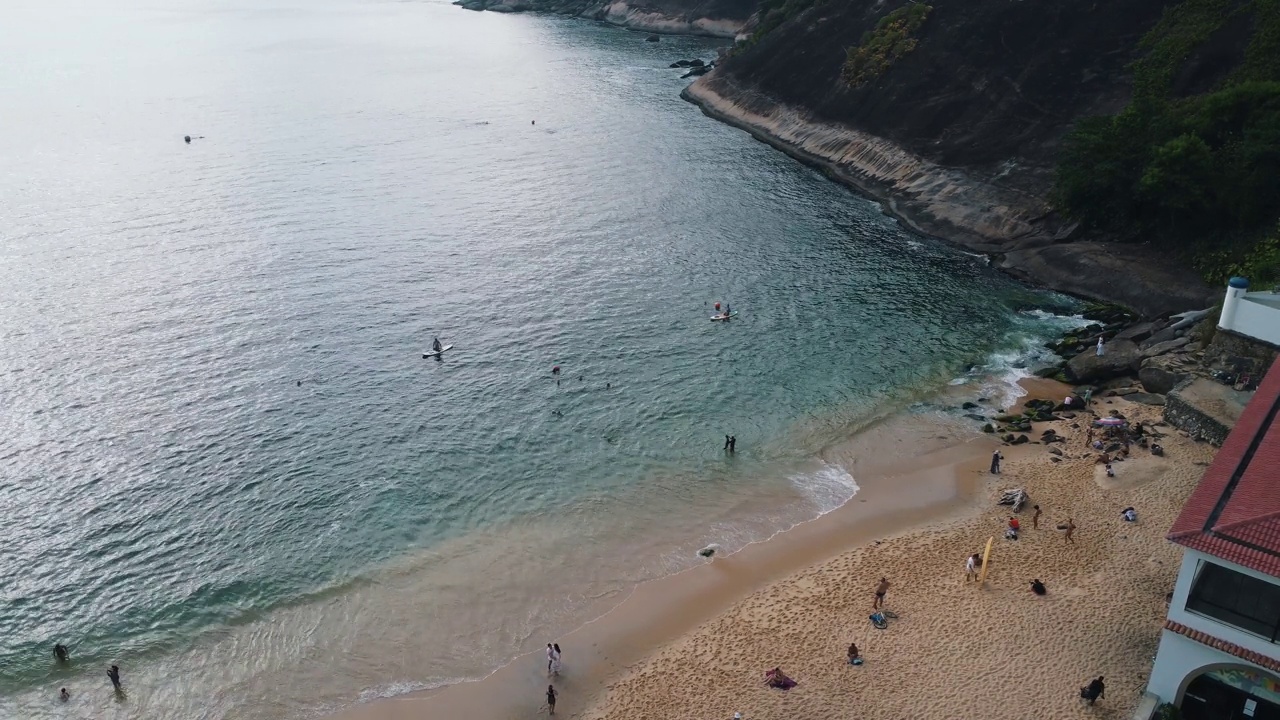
[1110, 422]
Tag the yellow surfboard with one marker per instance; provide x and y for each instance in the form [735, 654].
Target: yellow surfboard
[986, 561]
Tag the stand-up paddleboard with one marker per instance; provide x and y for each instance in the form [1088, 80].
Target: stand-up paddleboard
[434, 353]
[986, 561]
[722, 316]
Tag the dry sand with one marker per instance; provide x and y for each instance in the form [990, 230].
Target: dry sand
[957, 650]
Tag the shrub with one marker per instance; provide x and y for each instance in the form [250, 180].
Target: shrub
[893, 37]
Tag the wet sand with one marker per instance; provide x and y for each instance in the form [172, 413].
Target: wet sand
[695, 645]
[912, 471]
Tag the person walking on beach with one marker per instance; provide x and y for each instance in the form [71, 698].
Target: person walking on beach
[971, 567]
[1035, 519]
[551, 657]
[1071, 528]
[1101, 349]
[555, 658]
[551, 699]
[114, 674]
[881, 589]
[1094, 690]
[995, 462]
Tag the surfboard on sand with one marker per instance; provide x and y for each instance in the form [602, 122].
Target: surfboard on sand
[433, 353]
[986, 561]
[722, 316]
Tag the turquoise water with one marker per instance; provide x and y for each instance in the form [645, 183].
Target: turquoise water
[367, 175]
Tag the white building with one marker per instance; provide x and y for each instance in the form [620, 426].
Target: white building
[1219, 657]
[1252, 314]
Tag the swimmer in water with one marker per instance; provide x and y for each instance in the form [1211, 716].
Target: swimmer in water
[187, 138]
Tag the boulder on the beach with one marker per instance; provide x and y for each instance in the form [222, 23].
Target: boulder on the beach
[988, 428]
[1167, 346]
[1021, 440]
[1146, 398]
[1139, 332]
[1160, 375]
[1121, 357]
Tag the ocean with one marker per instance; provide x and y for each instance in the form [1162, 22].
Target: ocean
[225, 465]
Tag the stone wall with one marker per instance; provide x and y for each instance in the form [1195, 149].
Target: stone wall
[1240, 354]
[1204, 408]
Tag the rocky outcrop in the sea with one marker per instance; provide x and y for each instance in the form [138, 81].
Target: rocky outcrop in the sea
[716, 18]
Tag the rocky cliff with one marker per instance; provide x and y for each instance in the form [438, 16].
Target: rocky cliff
[716, 18]
[955, 122]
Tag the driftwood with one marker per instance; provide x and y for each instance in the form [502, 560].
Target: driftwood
[1017, 497]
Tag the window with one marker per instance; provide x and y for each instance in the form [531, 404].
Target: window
[1236, 599]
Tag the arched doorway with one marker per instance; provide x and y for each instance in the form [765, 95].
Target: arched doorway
[1232, 692]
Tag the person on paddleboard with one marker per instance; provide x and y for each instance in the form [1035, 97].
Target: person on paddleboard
[435, 344]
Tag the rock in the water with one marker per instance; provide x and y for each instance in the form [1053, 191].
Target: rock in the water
[652, 38]
[696, 63]
[988, 428]
[708, 551]
[679, 64]
[1121, 357]
[696, 71]
[969, 405]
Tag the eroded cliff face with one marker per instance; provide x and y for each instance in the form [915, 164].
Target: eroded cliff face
[715, 18]
[959, 136]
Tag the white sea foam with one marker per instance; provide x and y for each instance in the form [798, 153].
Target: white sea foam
[828, 488]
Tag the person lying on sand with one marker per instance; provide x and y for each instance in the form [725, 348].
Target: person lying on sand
[775, 678]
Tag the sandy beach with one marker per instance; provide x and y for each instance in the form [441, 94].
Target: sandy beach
[695, 645]
[957, 650]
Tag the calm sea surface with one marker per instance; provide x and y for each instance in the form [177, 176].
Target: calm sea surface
[366, 175]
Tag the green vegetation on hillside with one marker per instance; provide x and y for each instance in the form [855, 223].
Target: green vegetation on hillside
[1199, 175]
[893, 37]
[772, 14]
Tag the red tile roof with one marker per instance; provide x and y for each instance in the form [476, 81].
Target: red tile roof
[1234, 513]
[1223, 645]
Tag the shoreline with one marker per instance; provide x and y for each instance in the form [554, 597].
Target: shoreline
[900, 495]
[1102, 615]
[1013, 227]
[618, 13]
